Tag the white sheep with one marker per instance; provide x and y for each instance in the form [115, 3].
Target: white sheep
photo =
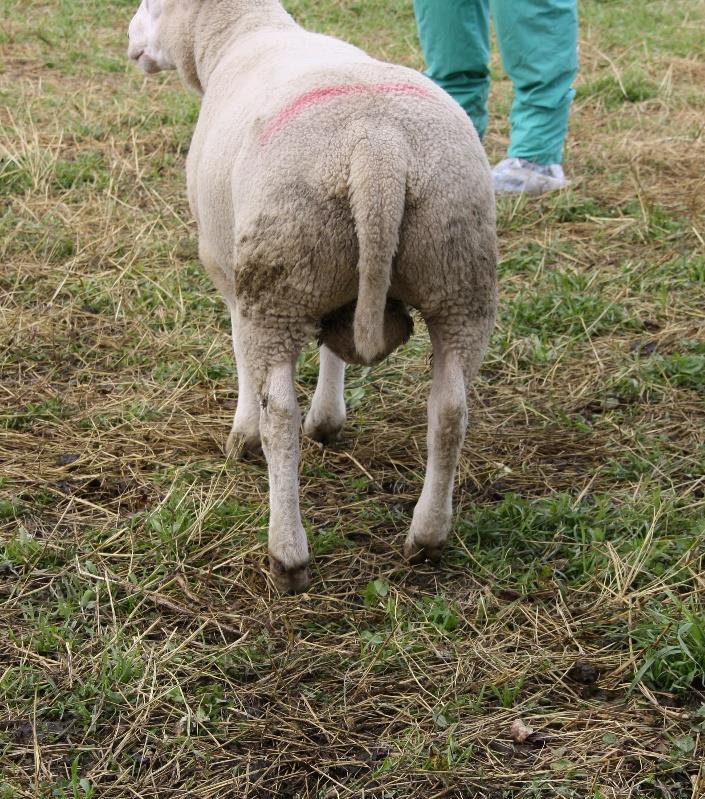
[331, 191]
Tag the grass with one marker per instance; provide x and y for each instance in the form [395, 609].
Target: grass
[143, 651]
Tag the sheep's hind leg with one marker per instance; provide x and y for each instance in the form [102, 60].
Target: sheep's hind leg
[245, 435]
[326, 418]
[280, 420]
[447, 423]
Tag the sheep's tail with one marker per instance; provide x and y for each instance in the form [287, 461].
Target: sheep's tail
[377, 190]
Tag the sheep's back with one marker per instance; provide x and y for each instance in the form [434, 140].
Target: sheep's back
[276, 187]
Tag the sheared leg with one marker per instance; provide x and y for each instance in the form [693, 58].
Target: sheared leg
[447, 423]
[326, 417]
[280, 420]
[245, 434]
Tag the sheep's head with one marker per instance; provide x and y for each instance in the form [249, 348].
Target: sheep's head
[148, 41]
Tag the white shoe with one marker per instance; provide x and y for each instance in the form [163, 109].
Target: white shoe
[517, 175]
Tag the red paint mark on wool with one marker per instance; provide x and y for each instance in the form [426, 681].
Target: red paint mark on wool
[315, 96]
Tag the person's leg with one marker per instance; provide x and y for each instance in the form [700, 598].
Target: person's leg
[538, 40]
[455, 38]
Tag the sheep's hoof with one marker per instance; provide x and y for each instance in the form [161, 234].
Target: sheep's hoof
[241, 445]
[289, 581]
[415, 552]
[327, 432]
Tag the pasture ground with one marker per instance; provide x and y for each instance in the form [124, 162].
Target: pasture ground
[143, 650]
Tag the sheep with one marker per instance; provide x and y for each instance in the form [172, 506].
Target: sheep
[331, 192]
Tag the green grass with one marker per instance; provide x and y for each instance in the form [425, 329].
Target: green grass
[611, 90]
[661, 28]
[143, 651]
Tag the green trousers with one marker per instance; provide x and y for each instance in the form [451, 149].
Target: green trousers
[538, 41]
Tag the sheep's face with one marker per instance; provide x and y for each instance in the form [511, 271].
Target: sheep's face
[146, 33]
